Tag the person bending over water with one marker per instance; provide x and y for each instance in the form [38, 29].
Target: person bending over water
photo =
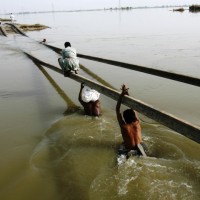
[90, 102]
[130, 129]
[69, 61]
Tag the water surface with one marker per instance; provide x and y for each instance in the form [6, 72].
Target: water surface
[49, 153]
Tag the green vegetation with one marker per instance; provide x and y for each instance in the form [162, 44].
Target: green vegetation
[179, 9]
[5, 20]
[33, 27]
[194, 8]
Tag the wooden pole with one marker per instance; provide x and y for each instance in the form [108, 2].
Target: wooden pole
[164, 74]
[183, 127]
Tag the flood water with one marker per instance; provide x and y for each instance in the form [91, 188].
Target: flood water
[48, 152]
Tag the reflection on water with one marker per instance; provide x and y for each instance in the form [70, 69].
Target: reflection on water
[47, 153]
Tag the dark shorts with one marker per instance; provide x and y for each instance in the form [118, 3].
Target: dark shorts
[123, 151]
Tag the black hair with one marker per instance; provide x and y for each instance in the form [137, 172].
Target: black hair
[129, 116]
[67, 44]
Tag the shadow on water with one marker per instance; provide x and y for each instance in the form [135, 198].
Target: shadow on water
[95, 76]
[71, 106]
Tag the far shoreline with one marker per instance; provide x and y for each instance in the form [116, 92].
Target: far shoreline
[101, 9]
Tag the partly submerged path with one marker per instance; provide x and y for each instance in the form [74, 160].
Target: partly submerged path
[181, 126]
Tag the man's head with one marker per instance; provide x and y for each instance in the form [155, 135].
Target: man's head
[67, 44]
[129, 116]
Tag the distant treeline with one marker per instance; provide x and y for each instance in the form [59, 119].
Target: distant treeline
[194, 8]
[111, 9]
[145, 7]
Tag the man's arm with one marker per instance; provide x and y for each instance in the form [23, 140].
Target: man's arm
[119, 116]
[96, 108]
[62, 53]
[80, 95]
[136, 115]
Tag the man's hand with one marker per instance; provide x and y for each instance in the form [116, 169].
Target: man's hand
[124, 90]
[82, 85]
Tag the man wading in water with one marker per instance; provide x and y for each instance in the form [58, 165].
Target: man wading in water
[130, 129]
[89, 99]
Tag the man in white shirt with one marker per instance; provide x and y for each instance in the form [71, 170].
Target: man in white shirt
[89, 99]
[69, 61]
[12, 17]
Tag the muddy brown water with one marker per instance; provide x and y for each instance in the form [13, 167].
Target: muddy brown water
[49, 153]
